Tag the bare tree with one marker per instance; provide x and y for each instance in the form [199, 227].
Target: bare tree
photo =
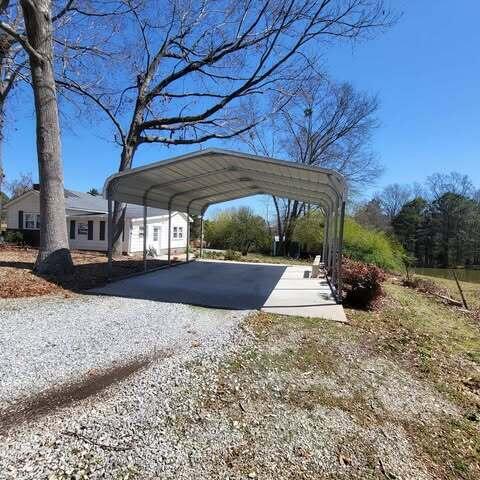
[330, 125]
[327, 125]
[20, 185]
[12, 65]
[371, 215]
[393, 197]
[195, 65]
[50, 54]
[453, 182]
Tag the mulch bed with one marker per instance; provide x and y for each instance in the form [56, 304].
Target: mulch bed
[18, 280]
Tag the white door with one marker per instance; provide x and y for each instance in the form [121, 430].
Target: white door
[156, 238]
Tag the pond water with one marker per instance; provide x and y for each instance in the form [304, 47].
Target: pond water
[463, 274]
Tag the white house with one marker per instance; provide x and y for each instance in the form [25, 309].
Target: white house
[86, 217]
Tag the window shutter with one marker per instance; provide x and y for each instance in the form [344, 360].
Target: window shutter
[20, 219]
[90, 230]
[72, 229]
[102, 230]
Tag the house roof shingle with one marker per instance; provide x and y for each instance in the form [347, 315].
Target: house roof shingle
[97, 204]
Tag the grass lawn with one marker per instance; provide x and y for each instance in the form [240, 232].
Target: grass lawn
[393, 395]
[470, 290]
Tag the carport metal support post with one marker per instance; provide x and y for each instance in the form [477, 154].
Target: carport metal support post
[144, 238]
[330, 241]
[169, 233]
[333, 246]
[188, 235]
[325, 239]
[201, 236]
[340, 253]
[110, 237]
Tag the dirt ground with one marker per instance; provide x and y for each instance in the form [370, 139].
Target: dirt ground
[18, 280]
[393, 395]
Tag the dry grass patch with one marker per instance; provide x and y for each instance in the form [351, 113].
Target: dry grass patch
[315, 399]
[470, 290]
[18, 280]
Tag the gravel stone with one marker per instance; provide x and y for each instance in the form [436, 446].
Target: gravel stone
[50, 341]
[128, 430]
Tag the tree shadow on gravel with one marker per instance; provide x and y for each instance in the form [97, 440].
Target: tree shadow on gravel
[54, 398]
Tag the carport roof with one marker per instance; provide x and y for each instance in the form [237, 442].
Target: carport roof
[196, 180]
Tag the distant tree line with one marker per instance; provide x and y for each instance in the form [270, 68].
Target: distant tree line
[438, 225]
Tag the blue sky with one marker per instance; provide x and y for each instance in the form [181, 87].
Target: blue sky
[425, 70]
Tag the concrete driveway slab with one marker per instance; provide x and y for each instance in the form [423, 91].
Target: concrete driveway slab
[235, 286]
[282, 289]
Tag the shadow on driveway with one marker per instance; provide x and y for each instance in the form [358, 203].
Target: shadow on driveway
[235, 286]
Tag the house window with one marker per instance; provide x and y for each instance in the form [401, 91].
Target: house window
[155, 234]
[177, 232]
[90, 230]
[140, 232]
[102, 230]
[32, 221]
[72, 229]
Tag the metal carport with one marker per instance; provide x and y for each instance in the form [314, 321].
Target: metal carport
[191, 183]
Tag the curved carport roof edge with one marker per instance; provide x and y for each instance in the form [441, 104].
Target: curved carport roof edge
[215, 175]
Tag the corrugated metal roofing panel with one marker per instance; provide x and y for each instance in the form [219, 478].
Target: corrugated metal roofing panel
[194, 181]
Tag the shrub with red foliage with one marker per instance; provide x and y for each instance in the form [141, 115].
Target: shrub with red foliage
[362, 283]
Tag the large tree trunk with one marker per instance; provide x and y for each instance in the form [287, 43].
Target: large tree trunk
[119, 209]
[289, 227]
[2, 126]
[53, 256]
[3, 90]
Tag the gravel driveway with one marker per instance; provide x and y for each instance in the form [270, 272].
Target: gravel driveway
[46, 342]
[59, 355]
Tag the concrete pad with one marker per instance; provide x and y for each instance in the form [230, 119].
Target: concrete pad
[297, 294]
[282, 289]
[243, 286]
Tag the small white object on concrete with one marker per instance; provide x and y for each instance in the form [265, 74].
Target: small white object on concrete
[316, 267]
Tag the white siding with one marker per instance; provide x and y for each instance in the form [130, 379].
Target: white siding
[132, 241]
[30, 203]
[177, 245]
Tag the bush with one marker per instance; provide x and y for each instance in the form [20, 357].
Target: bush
[212, 255]
[308, 232]
[13, 237]
[372, 247]
[362, 284]
[232, 255]
[238, 229]
[360, 243]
